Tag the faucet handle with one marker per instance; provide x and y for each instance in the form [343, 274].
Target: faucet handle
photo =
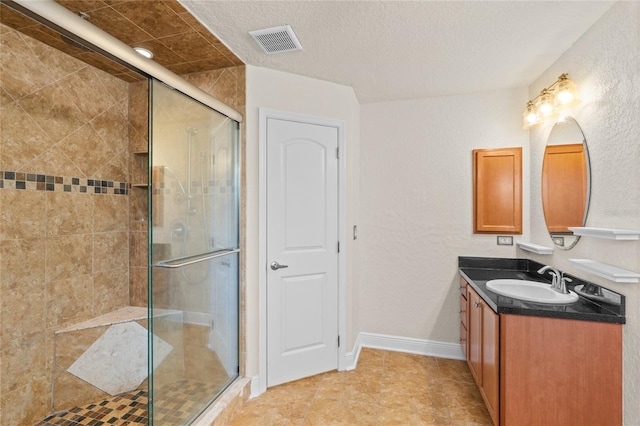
[562, 288]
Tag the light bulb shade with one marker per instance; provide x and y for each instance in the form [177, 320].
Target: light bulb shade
[566, 93]
[545, 103]
[529, 116]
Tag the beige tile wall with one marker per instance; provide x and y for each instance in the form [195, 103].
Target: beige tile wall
[138, 196]
[64, 255]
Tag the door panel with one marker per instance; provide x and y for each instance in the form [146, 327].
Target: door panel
[305, 195]
[302, 312]
[302, 233]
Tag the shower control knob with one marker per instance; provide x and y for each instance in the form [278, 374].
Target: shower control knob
[275, 266]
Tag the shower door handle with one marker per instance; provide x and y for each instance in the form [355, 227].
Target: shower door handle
[275, 266]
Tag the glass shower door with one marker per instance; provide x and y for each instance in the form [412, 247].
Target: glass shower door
[194, 256]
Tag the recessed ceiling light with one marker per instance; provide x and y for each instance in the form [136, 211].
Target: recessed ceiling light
[144, 52]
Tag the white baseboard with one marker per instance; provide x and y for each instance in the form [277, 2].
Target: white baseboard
[387, 343]
[256, 388]
[402, 344]
[351, 358]
[197, 318]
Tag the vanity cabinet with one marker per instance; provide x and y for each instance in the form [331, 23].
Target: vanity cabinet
[534, 370]
[497, 191]
[483, 353]
[560, 372]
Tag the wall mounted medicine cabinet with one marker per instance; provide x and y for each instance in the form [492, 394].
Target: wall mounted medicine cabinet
[497, 191]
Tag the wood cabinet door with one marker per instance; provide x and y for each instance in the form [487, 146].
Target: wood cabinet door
[557, 371]
[474, 315]
[497, 191]
[491, 360]
[463, 324]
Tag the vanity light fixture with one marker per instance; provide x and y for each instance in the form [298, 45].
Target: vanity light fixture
[551, 101]
[144, 52]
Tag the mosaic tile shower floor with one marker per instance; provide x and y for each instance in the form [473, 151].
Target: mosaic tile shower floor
[126, 409]
[175, 403]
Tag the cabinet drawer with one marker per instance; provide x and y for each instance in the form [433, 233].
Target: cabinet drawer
[463, 311]
[463, 287]
[463, 339]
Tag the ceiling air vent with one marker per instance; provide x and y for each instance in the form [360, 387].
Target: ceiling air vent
[276, 39]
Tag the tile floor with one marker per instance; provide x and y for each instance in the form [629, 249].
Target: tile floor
[387, 388]
[176, 402]
[126, 409]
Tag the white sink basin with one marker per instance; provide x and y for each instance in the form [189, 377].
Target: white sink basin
[531, 291]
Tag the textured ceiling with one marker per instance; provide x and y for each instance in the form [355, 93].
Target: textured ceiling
[390, 50]
[178, 41]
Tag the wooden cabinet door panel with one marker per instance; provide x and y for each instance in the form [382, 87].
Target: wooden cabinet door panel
[474, 357]
[463, 324]
[560, 371]
[491, 360]
[497, 190]
[463, 311]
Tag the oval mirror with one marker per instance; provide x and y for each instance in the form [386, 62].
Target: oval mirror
[566, 182]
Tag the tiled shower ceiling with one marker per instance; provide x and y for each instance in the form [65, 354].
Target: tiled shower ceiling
[178, 41]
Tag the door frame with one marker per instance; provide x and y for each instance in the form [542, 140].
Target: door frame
[340, 125]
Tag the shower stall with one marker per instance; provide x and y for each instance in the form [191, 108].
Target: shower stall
[119, 235]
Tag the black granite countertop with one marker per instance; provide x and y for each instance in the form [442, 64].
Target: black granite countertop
[595, 303]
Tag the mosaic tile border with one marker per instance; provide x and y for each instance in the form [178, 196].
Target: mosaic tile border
[217, 186]
[41, 182]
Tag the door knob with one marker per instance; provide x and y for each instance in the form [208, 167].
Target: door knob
[275, 266]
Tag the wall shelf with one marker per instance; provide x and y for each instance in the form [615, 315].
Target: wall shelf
[140, 185]
[535, 248]
[609, 272]
[608, 233]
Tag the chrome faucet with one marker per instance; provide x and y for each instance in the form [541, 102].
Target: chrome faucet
[559, 281]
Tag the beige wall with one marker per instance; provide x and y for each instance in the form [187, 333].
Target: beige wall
[605, 64]
[64, 254]
[416, 206]
[302, 95]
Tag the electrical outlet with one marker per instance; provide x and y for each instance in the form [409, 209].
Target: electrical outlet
[504, 240]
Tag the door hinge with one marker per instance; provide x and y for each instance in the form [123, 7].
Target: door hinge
[338, 340]
[338, 246]
[338, 153]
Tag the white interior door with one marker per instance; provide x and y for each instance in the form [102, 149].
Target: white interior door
[302, 238]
